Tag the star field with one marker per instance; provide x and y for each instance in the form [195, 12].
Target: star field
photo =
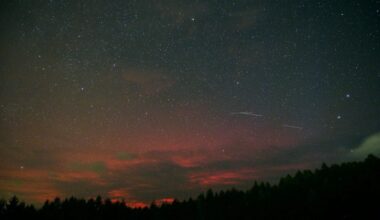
[151, 100]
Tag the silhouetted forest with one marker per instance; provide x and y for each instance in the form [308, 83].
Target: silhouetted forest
[347, 191]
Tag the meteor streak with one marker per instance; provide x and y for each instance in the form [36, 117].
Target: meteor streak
[292, 126]
[246, 113]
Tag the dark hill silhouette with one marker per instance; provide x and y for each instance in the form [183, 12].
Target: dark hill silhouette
[347, 191]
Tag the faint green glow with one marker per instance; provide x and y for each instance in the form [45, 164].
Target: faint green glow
[371, 145]
[125, 156]
[97, 167]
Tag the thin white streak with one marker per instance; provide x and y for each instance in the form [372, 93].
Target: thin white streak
[246, 113]
[292, 126]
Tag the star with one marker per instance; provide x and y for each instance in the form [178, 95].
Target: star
[339, 117]
[348, 95]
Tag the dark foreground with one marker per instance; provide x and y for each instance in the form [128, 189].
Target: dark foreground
[346, 191]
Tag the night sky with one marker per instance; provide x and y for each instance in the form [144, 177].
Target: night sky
[153, 100]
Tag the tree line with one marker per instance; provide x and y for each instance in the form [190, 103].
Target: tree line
[346, 191]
